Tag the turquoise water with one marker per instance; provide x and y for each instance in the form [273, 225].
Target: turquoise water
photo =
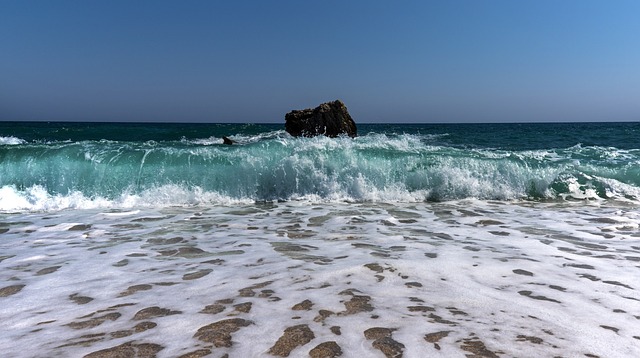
[502, 236]
[61, 165]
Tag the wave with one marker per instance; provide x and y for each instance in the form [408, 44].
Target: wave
[275, 166]
[11, 140]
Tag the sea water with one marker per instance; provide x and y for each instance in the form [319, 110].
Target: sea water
[495, 239]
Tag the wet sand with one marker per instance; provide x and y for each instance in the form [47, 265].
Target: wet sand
[475, 279]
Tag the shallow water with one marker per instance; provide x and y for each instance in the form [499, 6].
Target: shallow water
[504, 278]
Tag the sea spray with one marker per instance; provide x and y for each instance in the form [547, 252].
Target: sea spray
[272, 166]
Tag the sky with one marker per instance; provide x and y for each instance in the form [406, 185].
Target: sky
[253, 61]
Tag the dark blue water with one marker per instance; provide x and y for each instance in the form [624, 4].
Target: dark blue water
[514, 136]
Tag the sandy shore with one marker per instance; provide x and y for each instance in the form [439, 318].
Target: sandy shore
[453, 280]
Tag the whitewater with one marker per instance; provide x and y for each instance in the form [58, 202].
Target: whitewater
[156, 240]
[85, 170]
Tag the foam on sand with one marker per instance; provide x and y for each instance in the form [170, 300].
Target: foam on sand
[426, 279]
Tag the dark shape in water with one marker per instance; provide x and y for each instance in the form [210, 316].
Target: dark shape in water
[330, 119]
[227, 141]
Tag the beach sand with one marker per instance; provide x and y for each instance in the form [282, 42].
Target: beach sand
[456, 279]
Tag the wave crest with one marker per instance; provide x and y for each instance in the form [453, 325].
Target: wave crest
[11, 141]
[276, 166]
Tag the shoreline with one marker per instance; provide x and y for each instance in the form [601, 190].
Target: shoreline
[446, 279]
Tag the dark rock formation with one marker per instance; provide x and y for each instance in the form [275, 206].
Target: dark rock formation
[227, 141]
[378, 332]
[383, 341]
[129, 349]
[390, 347]
[292, 338]
[81, 300]
[135, 288]
[357, 304]
[197, 353]
[303, 306]
[330, 119]
[477, 348]
[95, 321]
[10, 290]
[152, 312]
[243, 307]
[436, 337]
[326, 350]
[213, 309]
[219, 333]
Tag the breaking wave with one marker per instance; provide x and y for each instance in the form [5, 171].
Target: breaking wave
[274, 166]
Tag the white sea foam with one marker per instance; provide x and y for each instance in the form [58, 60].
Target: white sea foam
[274, 166]
[448, 183]
[239, 139]
[526, 279]
[11, 141]
[36, 198]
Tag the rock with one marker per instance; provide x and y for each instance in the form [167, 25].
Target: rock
[248, 291]
[291, 338]
[129, 349]
[94, 322]
[384, 342]
[326, 350]
[152, 312]
[436, 337]
[390, 347]
[81, 300]
[196, 275]
[421, 309]
[243, 307]
[357, 304]
[135, 288]
[378, 332]
[374, 267]
[330, 119]
[186, 252]
[121, 334]
[532, 339]
[213, 309]
[48, 270]
[227, 141]
[197, 354]
[143, 326]
[477, 348]
[303, 306]
[10, 290]
[322, 315]
[80, 227]
[219, 333]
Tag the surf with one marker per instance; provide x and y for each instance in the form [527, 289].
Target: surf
[273, 166]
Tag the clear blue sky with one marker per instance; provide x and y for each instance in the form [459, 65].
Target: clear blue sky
[253, 61]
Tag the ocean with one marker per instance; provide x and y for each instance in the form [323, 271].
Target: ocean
[413, 240]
